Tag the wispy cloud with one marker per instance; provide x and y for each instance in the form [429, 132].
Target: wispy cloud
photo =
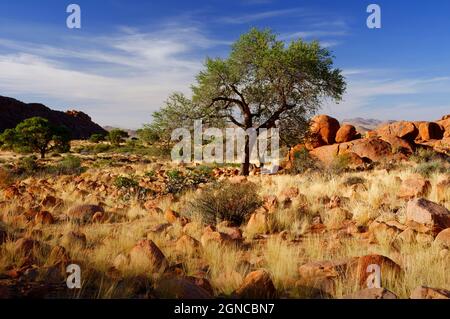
[132, 72]
[247, 18]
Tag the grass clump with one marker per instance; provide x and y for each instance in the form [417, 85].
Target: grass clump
[227, 201]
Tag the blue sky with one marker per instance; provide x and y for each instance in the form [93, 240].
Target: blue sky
[129, 55]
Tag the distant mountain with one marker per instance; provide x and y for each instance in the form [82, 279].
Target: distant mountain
[363, 125]
[12, 112]
[131, 133]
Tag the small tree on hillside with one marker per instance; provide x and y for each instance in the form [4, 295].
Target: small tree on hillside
[264, 83]
[117, 136]
[37, 135]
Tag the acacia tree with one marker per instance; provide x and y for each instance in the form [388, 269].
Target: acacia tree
[38, 135]
[264, 83]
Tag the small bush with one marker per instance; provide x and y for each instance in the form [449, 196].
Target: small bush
[28, 165]
[69, 165]
[97, 138]
[424, 155]
[340, 164]
[302, 163]
[178, 181]
[353, 180]
[6, 178]
[426, 169]
[125, 182]
[227, 201]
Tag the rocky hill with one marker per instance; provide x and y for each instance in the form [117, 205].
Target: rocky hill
[13, 112]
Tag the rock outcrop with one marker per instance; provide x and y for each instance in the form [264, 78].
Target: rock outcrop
[12, 112]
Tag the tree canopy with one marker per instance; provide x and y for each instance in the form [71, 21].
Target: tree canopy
[265, 83]
[36, 134]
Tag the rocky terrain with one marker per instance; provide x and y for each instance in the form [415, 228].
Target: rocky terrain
[12, 112]
[142, 227]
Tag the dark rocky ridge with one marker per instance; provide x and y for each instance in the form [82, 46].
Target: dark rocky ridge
[12, 112]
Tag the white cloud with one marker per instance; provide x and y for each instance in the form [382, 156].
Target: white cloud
[247, 18]
[125, 76]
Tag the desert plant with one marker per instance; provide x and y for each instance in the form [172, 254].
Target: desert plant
[353, 180]
[96, 138]
[302, 163]
[69, 165]
[28, 165]
[227, 201]
[426, 169]
[38, 135]
[117, 136]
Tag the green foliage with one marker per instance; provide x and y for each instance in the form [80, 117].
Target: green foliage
[97, 138]
[178, 181]
[178, 111]
[423, 155]
[69, 165]
[426, 169]
[267, 80]
[227, 201]
[353, 180]
[340, 164]
[126, 182]
[28, 165]
[130, 188]
[117, 136]
[302, 163]
[37, 135]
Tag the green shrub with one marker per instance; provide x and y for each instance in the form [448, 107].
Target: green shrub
[69, 165]
[226, 201]
[178, 181]
[126, 182]
[426, 169]
[97, 138]
[422, 155]
[302, 163]
[340, 164]
[28, 165]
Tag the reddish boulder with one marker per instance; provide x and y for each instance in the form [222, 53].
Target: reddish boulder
[83, 213]
[44, 218]
[257, 285]
[325, 127]
[426, 213]
[443, 239]
[402, 129]
[423, 292]
[414, 186]
[430, 131]
[371, 293]
[147, 256]
[181, 288]
[346, 133]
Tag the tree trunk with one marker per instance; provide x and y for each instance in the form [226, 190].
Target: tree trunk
[245, 166]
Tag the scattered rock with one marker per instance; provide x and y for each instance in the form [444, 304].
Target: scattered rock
[44, 218]
[181, 288]
[414, 186]
[443, 191]
[426, 213]
[73, 238]
[84, 213]
[372, 293]
[147, 256]
[257, 285]
[423, 292]
[258, 223]
[443, 239]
